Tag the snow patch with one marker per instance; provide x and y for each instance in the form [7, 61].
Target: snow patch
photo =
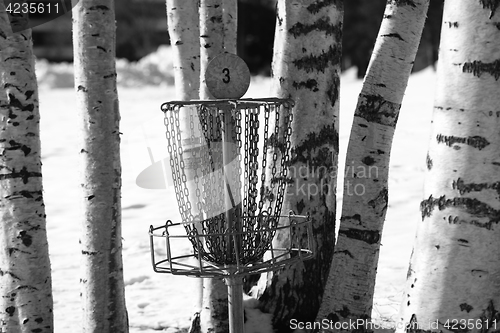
[155, 69]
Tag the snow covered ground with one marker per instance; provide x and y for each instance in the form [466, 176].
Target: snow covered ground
[165, 302]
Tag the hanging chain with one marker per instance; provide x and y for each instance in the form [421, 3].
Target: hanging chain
[196, 155]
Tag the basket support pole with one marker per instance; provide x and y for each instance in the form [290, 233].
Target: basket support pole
[235, 300]
[232, 192]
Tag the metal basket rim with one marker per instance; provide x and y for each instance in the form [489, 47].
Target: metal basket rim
[169, 223]
[238, 104]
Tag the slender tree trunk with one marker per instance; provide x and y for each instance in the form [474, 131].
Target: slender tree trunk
[453, 280]
[349, 291]
[103, 292]
[184, 31]
[306, 68]
[25, 281]
[218, 27]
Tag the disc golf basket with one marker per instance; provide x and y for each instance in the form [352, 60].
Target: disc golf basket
[229, 167]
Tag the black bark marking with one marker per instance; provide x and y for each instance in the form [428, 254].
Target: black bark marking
[24, 174]
[490, 314]
[345, 312]
[15, 103]
[216, 19]
[478, 142]
[368, 160]
[320, 25]
[89, 253]
[356, 217]
[10, 310]
[312, 146]
[410, 3]
[29, 93]
[39, 320]
[333, 91]
[472, 206]
[381, 199]
[2, 273]
[82, 88]
[101, 7]
[380, 85]
[492, 5]
[466, 307]
[25, 238]
[310, 84]
[463, 187]
[367, 236]
[90, 197]
[319, 63]
[300, 206]
[347, 253]
[452, 24]
[429, 162]
[394, 35]
[316, 7]
[17, 146]
[374, 108]
[485, 225]
[477, 68]
[497, 25]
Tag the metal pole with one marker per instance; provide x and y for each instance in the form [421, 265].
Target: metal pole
[234, 284]
[232, 191]
[235, 300]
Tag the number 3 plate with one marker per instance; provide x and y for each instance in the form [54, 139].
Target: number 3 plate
[227, 76]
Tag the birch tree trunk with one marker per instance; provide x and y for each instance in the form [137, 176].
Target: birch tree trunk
[306, 68]
[218, 27]
[453, 282]
[25, 281]
[184, 31]
[103, 292]
[349, 290]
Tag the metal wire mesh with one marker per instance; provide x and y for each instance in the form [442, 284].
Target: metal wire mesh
[168, 257]
[228, 161]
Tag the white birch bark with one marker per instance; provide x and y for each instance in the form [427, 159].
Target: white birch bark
[349, 290]
[453, 282]
[306, 68]
[184, 32]
[25, 282]
[218, 28]
[103, 292]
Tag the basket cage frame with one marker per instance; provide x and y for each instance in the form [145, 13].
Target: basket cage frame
[235, 240]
